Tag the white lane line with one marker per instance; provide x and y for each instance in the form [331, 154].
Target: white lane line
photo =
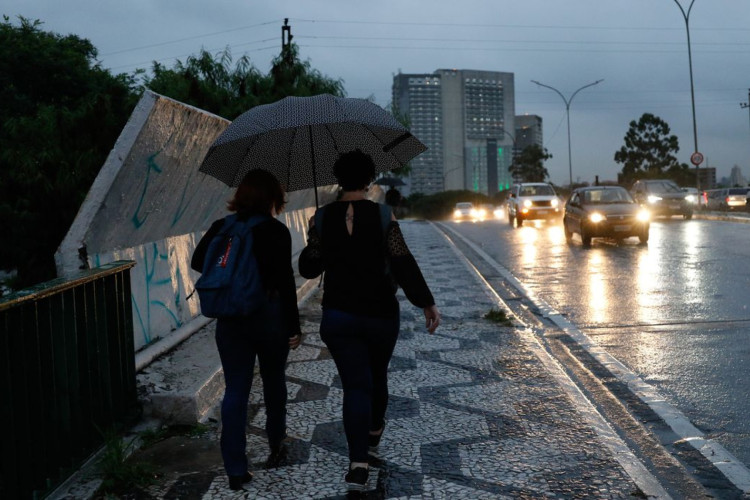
[733, 469]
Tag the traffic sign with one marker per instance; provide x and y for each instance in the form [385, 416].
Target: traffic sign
[696, 158]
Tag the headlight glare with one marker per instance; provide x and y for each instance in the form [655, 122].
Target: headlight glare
[554, 202]
[596, 217]
[652, 198]
[643, 215]
[527, 203]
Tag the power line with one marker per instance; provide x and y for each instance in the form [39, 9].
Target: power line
[511, 26]
[187, 39]
[520, 49]
[515, 40]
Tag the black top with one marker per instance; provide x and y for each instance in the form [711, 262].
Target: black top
[356, 278]
[272, 246]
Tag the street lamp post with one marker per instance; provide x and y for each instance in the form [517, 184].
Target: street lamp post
[686, 16]
[567, 112]
[746, 105]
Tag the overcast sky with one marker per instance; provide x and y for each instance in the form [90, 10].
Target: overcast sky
[639, 48]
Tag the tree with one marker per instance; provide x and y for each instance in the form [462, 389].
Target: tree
[649, 151]
[528, 166]
[213, 84]
[60, 114]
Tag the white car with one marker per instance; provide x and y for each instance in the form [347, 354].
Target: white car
[533, 200]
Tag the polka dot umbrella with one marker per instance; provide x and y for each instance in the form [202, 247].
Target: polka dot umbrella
[299, 138]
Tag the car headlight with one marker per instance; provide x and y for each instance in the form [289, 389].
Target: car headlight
[643, 215]
[527, 203]
[481, 213]
[653, 198]
[691, 198]
[554, 202]
[474, 212]
[457, 213]
[498, 213]
[596, 217]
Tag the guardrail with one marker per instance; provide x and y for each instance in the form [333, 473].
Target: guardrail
[67, 375]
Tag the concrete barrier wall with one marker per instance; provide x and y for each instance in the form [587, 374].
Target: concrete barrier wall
[150, 204]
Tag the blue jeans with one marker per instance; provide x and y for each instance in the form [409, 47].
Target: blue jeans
[239, 341]
[361, 347]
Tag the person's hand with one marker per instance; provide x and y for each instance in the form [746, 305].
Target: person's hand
[295, 341]
[432, 318]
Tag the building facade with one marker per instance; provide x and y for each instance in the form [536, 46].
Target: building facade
[528, 132]
[465, 117]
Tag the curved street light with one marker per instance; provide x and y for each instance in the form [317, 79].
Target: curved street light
[686, 16]
[567, 112]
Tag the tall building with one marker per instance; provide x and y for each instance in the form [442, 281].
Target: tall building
[528, 131]
[465, 117]
[736, 178]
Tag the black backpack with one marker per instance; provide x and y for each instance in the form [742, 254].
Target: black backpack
[230, 284]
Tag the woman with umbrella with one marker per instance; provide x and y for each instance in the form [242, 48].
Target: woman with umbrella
[360, 321]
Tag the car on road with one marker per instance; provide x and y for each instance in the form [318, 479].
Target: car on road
[532, 200]
[464, 210]
[728, 199]
[662, 197]
[604, 211]
[694, 196]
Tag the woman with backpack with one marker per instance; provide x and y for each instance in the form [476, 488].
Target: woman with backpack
[360, 248]
[268, 332]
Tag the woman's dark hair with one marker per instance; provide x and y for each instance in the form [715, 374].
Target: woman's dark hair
[259, 192]
[354, 170]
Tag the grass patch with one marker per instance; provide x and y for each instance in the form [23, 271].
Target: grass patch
[118, 473]
[498, 316]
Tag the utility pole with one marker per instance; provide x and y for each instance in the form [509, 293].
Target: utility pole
[286, 40]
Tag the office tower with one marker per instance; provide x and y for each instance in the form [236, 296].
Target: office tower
[528, 132]
[466, 119]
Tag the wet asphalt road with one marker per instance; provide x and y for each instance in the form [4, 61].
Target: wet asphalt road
[676, 311]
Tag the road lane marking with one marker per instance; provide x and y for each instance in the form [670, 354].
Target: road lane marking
[732, 468]
[634, 468]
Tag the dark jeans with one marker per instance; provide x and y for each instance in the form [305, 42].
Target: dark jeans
[239, 340]
[362, 347]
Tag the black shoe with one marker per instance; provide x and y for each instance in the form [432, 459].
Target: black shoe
[356, 478]
[236, 482]
[277, 456]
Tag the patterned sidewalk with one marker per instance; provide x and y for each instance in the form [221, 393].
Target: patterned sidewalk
[473, 414]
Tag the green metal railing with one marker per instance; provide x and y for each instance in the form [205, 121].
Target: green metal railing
[67, 376]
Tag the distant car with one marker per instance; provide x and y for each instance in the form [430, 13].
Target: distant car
[694, 196]
[604, 211]
[464, 210]
[728, 199]
[662, 197]
[532, 200]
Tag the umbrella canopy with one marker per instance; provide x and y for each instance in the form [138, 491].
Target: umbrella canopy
[298, 139]
[390, 181]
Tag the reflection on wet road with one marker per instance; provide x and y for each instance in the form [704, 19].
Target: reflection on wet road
[675, 311]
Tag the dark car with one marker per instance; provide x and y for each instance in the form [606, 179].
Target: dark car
[604, 212]
[662, 197]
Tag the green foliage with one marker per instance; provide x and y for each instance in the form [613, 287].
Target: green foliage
[498, 316]
[528, 166]
[220, 86]
[649, 152]
[118, 473]
[441, 205]
[60, 114]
